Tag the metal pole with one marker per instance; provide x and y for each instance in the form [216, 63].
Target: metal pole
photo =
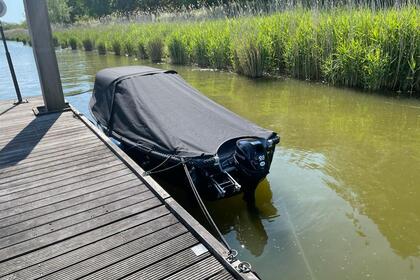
[9, 61]
[44, 52]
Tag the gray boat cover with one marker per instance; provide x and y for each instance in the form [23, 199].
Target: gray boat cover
[158, 109]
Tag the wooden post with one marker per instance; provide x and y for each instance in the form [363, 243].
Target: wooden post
[46, 61]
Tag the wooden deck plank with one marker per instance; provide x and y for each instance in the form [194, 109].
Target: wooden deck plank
[9, 210]
[39, 126]
[73, 205]
[59, 235]
[43, 148]
[90, 177]
[14, 120]
[55, 170]
[57, 175]
[37, 135]
[69, 178]
[222, 275]
[113, 193]
[68, 222]
[41, 139]
[171, 265]
[68, 199]
[52, 161]
[61, 193]
[35, 258]
[166, 224]
[198, 271]
[118, 267]
[28, 131]
[32, 133]
[33, 157]
[66, 162]
[112, 263]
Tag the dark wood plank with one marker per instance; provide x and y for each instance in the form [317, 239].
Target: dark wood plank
[106, 196]
[55, 155]
[64, 192]
[59, 168]
[222, 275]
[44, 148]
[154, 231]
[28, 131]
[60, 235]
[168, 266]
[15, 122]
[67, 199]
[80, 154]
[89, 177]
[103, 162]
[24, 206]
[121, 202]
[124, 254]
[33, 259]
[87, 171]
[119, 267]
[201, 270]
[50, 135]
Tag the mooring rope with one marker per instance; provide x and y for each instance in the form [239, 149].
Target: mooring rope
[203, 207]
[150, 171]
[232, 252]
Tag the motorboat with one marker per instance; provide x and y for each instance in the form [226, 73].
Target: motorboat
[157, 114]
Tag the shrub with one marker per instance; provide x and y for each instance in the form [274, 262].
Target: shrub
[345, 67]
[201, 53]
[249, 59]
[177, 49]
[101, 46]
[73, 43]
[116, 47]
[141, 50]
[87, 44]
[55, 42]
[129, 48]
[155, 49]
[64, 44]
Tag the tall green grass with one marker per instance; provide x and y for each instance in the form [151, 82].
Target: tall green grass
[363, 48]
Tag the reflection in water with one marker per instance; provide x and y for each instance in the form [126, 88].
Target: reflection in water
[234, 214]
[342, 198]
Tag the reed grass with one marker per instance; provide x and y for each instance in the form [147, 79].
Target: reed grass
[101, 47]
[178, 48]
[73, 43]
[87, 44]
[116, 47]
[354, 47]
[155, 48]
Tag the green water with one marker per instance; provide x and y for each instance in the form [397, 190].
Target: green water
[342, 200]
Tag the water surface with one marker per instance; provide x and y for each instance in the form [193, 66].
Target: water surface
[342, 200]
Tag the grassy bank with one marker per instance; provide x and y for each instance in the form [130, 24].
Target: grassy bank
[347, 47]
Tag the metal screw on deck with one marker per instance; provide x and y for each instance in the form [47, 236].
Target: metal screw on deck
[3, 10]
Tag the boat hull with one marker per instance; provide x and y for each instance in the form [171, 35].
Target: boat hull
[205, 175]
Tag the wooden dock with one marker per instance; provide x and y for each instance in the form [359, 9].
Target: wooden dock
[74, 206]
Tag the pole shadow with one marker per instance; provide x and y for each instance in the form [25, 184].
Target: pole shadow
[7, 108]
[21, 145]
